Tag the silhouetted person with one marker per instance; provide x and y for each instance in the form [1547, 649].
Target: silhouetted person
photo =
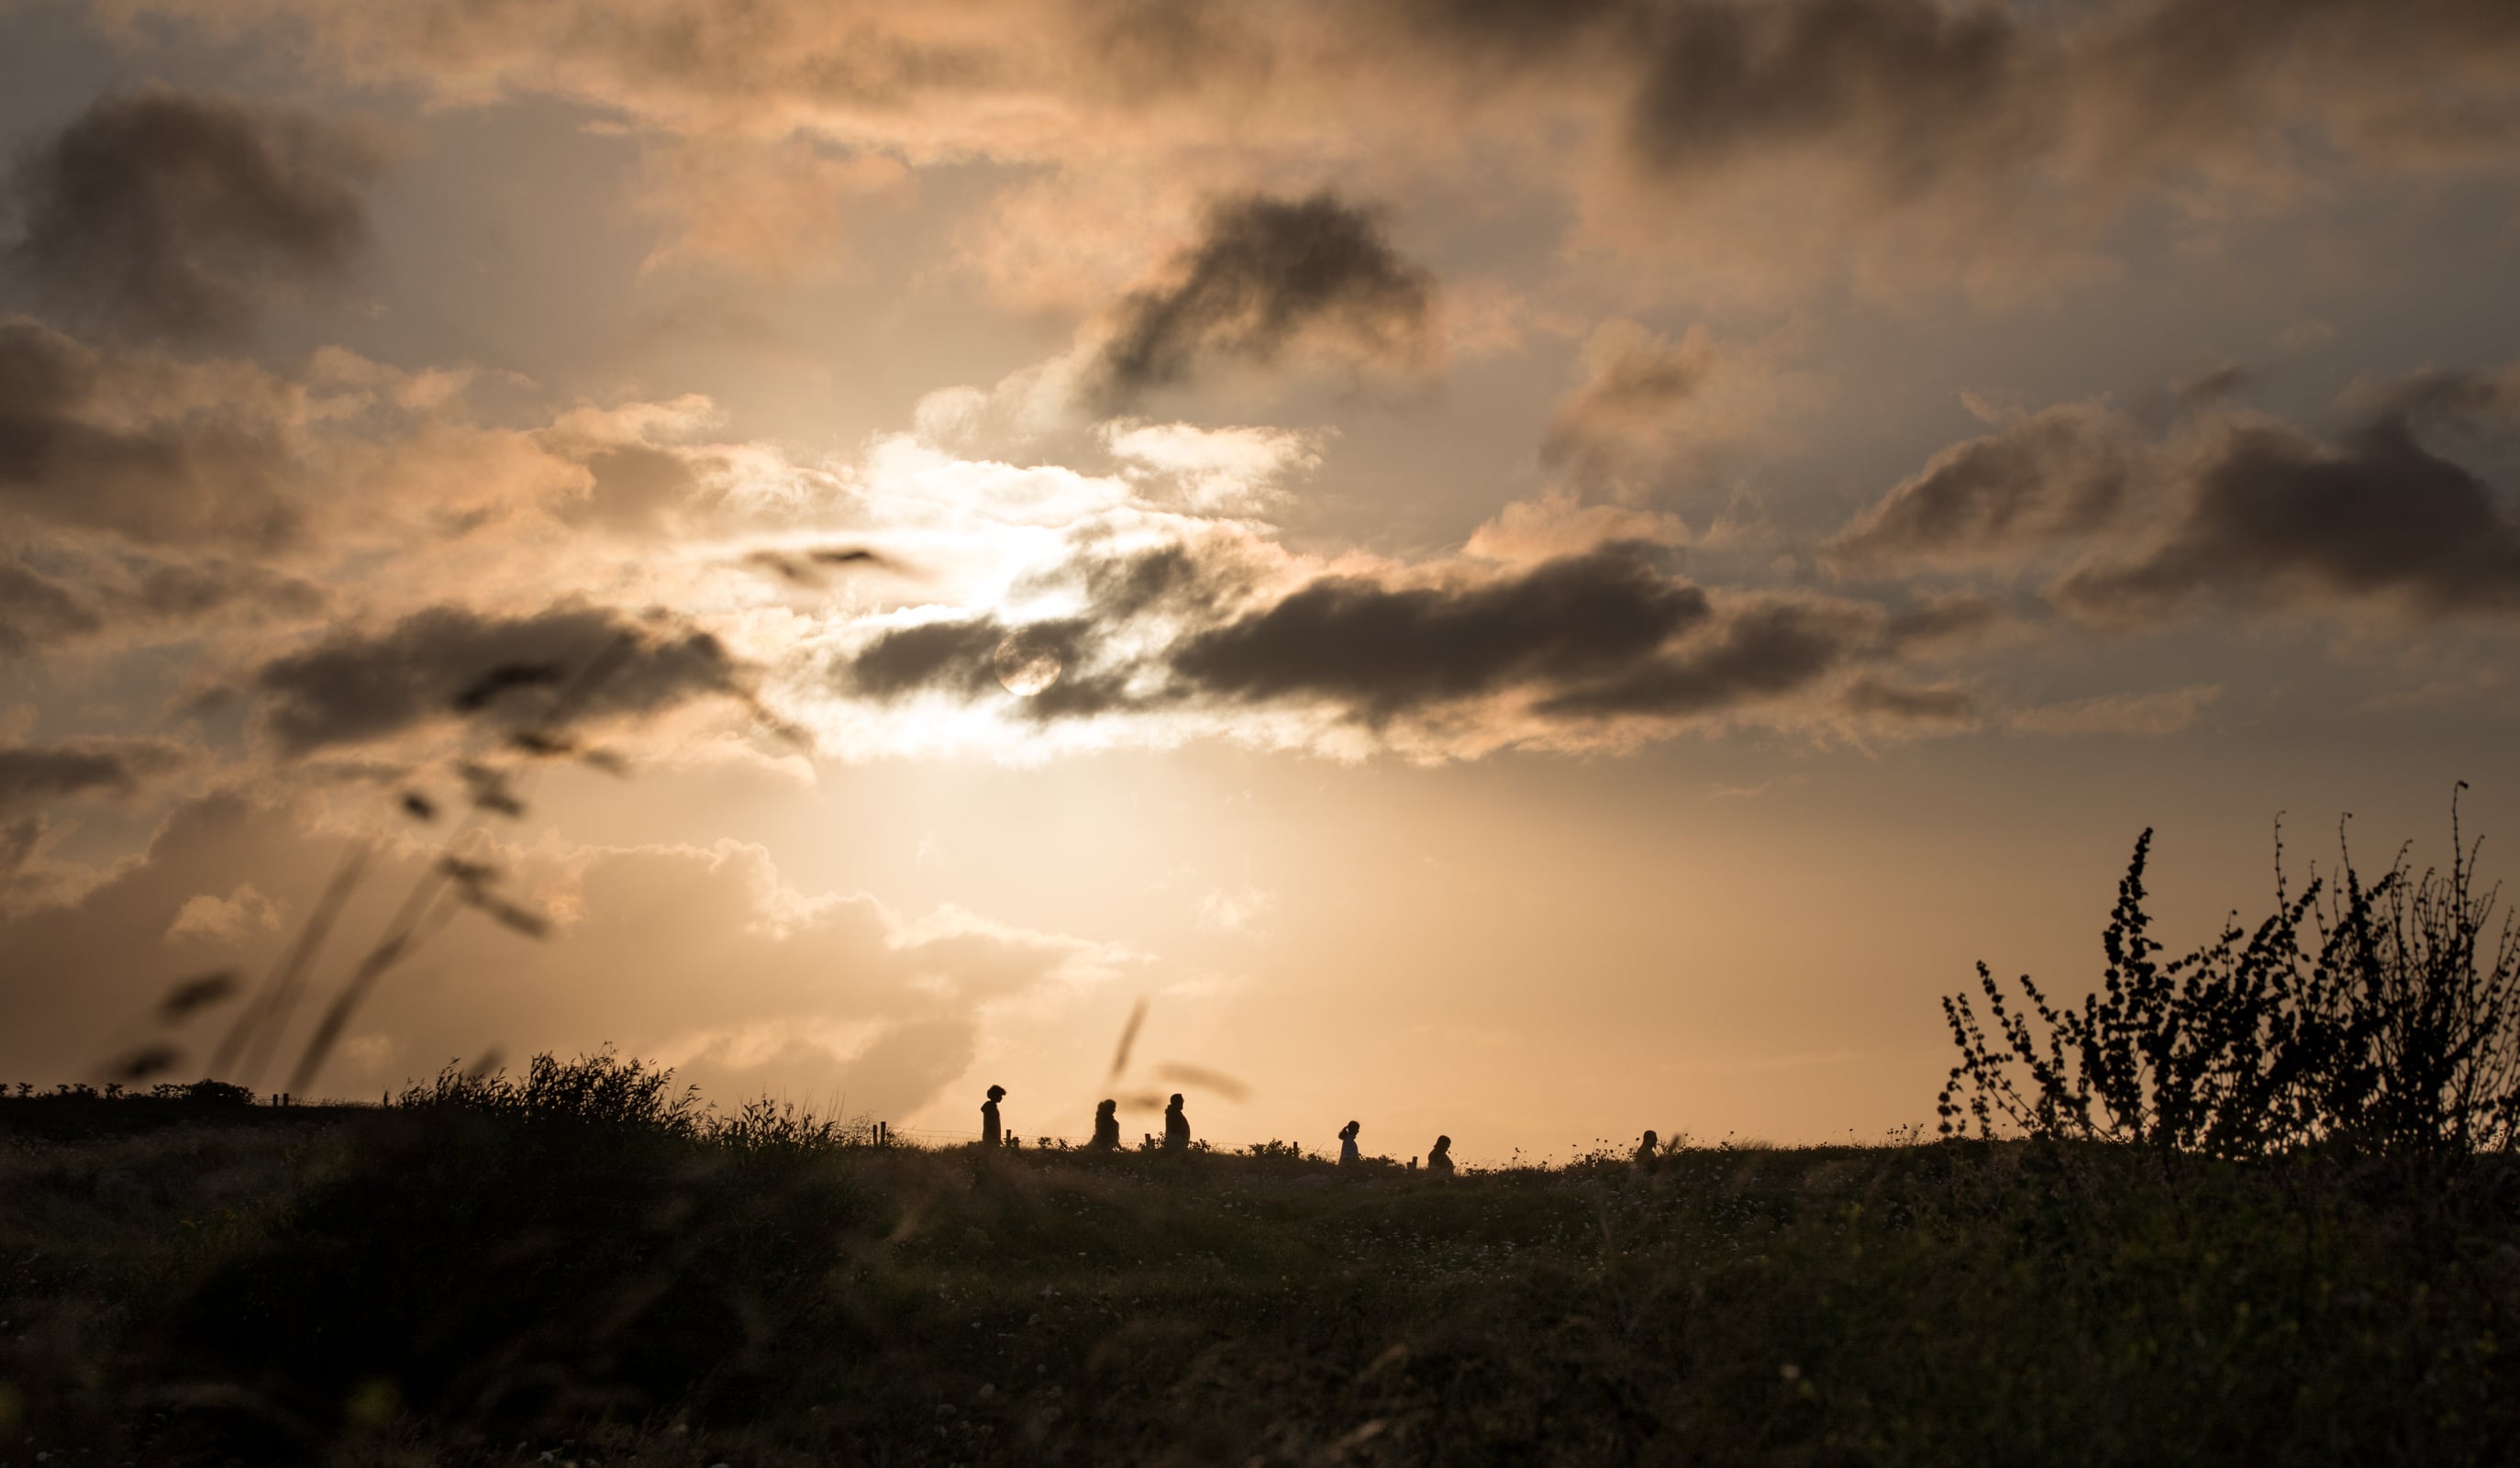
[1645, 1155]
[990, 1135]
[1439, 1158]
[1176, 1127]
[1347, 1143]
[1106, 1126]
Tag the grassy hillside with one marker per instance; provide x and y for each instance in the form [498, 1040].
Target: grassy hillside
[449, 1283]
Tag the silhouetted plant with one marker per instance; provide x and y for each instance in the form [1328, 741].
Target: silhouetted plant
[763, 1126]
[217, 1093]
[2380, 1018]
[592, 1090]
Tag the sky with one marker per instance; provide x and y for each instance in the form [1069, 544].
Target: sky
[1528, 572]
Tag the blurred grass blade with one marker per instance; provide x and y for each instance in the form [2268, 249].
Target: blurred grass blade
[195, 993]
[1204, 1079]
[260, 1024]
[1128, 1038]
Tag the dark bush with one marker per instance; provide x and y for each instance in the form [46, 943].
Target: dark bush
[2378, 1019]
[599, 1091]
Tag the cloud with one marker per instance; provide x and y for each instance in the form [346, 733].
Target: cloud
[2228, 509]
[1646, 400]
[1948, 140]
[32, 776]
[179, 214]
[1908, 86]
[171, 590]
[1765, 144]
[101, 598]
[956, 655]
[1939, 703]
[1763, 650]
[2276, 517]
[222, 460]
[138, 447]
[358, 687]
[212, 918]
[806, 994]
[1596, 647]
[1266, 274]
[36, 612]
[780, 211]
[2064, 471]
[1239, 910]
[2437, 400]
[1558, 524]
[1634, 382]
[1211, 470]
[1382, 650]
[2142, 713]
[1947, 618]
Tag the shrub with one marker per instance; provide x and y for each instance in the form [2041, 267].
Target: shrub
[2380, 1018]
[592, 1090]
[217, 1093]
[763, 1126]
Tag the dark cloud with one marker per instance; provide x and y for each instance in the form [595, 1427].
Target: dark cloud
[20, 839]
[1943, 621]
[1514, 32]
[1167, 576]
[36, 612]
[1178, 584]
[954, 655]
[1921, 95]
[1384, 650]
[2232, 507]
[1914, 87]
[178, 213]
[87, 597]
[357, 687]
[1581, 640]
[1165, 49]
[180, 590]
[32, 775]
[2214, 384]
[1939, 704]
[964, 658]
[1763, 650]
[2065, 471]
[1266, 273]
[95, 443]
[813, 567]
[2464, 402]
[2275, 517]
[2002, 127]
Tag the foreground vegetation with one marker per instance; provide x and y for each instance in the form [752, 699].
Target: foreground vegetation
[583, 1271]
[2258, 1202]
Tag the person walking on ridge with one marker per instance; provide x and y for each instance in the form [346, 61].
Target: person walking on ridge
[1107, 1127]
[1348, 1154]
[1176, 1127]
[1646, 1154]
[990, 1134]
[1439, 1158]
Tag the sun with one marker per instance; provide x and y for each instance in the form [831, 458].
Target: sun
[1026, 663]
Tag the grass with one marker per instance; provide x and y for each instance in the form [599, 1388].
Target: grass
[190, 1282]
